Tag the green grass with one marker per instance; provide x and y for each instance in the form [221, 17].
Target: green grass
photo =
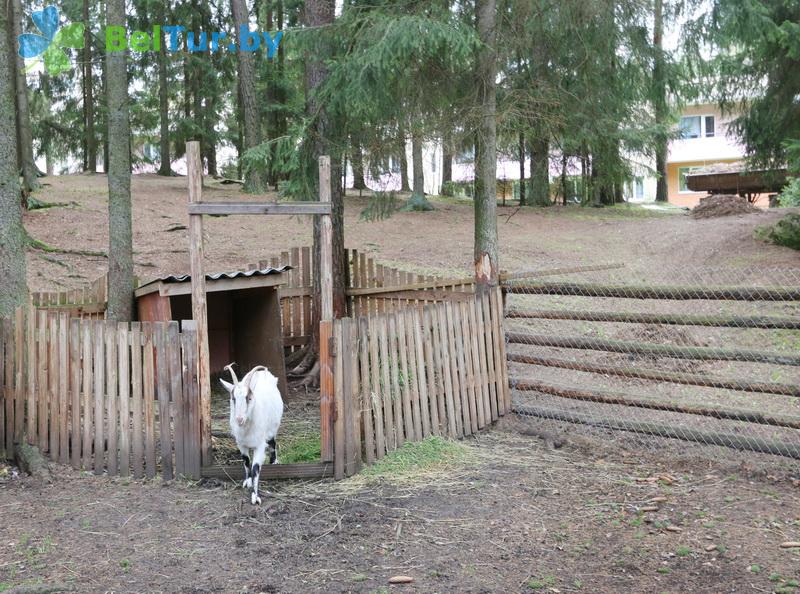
[415, 457]
[301, 448]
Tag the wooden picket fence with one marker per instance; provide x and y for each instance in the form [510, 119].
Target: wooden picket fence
[88, 302]
[120, 398]
[403, 376]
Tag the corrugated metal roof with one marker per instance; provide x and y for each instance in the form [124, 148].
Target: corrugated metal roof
[185, 278]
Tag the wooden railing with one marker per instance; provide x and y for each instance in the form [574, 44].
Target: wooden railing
[110, 397]
[416, 372]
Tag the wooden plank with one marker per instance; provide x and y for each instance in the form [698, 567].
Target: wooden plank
[400, 283]
[191, 451]
[453, 366]
[98, 395]
[6, 441]
[339, 413]
[87, 394]
[414, 373]
[431, 367]
[479, 366]
[326, 390]
[422, 374]
[475, 411]
[355, 304]
[19, 375]
[351, 397]
[422, 295]
[199, 306]
[163, 395]
[137, 405]
[380, 280]
[75, 392]
[365, 403]
[296, 303]
[489, 348]
[41, 384]
[448, 373]
[371, 283]
[496, 300]
[149, 395]
[235, 472]
[173, 351]
[63, 388]
[441, 372]
[396, 394]
[326, 242]
[123, 369]
[54, 393]
[460, 367]
[385, 393]
[374, 393]
[259, 208]
[32, 376]
[405, 375]
[305, 256]
[285, 305]
[112, 428]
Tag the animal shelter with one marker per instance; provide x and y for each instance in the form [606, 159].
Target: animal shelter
[244, 317]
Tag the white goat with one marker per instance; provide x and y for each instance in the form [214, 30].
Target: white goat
[256, 411]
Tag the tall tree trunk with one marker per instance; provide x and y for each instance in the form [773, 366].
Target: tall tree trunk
[358, 166]
[163, 107]
[47, 133]
[660, 103]
[540, 172]
[105, 120]
[239, 132]
[486, 251]
[418, 169]
[401, 145]
[319, 13]
[522, 201]
[564, 189]
[29, 180]
[120, 244]
[255, 179]
[447, 157]
[13, 289]
[88, 94]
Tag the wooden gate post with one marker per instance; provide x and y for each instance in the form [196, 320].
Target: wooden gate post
[199, 309]
[327, 411]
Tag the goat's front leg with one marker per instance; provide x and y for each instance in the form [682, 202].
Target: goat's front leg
[259, 455]
[248, 482]
[273, 451]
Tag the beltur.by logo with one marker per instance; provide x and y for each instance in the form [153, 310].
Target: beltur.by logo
[48, 44]
[117, 40]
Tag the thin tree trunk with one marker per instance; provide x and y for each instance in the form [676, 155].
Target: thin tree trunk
[29, 180]
[319, 13]
[88, 94]
[404, 187]
[522, 201]
[105, 120]
[255, 180]
[418, 169]
[660, 104]
[163, 108]
[540, 172]
[13, 289]
[120, 245]
[358, 166]
[564, 188]
[447, 157]
[486, 253]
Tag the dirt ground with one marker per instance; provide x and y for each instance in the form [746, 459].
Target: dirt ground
[428, 242]
[505, 512]
[506, 515]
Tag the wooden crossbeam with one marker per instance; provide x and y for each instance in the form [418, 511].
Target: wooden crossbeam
[260, 208]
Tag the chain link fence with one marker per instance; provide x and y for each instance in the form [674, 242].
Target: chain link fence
[696, 355]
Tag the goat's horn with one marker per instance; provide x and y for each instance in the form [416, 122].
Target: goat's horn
[229, 367]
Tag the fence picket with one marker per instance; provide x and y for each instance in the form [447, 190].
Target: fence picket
[137, 438]
[385, 393]
[414, 372]
[178, 404]
[374, 394]
[123, 368]
[19, 375]
[63, 388]
[88, 401]
[32, 408]
[99, 390]
[5, 448]
[112, 432]
[54, 394]
[75, 392]
[365, 405]
[162, 364]
[149, 397]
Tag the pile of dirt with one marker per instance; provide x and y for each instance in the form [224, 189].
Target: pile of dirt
[722, 205]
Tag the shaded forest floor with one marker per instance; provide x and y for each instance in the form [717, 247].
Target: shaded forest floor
[495, 513]
[426, 242]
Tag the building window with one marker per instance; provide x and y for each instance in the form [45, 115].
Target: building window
[697, 126]
[682, 172]
[638, 188]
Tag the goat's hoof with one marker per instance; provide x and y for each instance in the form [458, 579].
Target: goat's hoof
[276, 461]
[247, 484]
[255, 499]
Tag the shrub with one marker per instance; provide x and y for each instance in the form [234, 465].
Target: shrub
[785, 232]
[790, 195]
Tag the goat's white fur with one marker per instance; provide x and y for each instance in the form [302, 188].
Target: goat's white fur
[258, 401]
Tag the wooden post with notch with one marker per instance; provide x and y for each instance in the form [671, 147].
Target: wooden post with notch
[327, 409]
[199, 307]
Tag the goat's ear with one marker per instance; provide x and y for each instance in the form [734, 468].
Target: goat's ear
[228, 386]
